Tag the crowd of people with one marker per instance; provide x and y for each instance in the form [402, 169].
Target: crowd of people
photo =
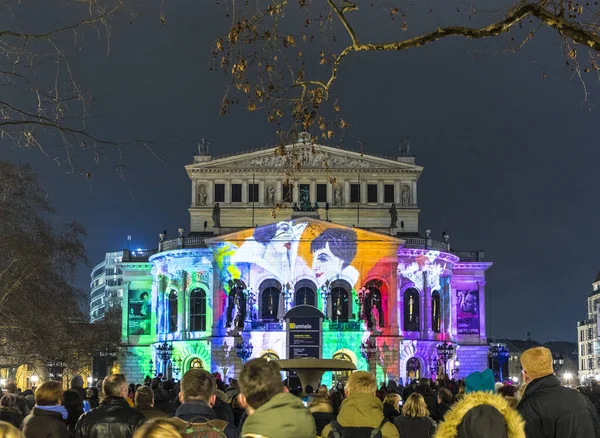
[261, 405]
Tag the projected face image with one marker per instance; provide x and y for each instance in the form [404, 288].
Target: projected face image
[326, 265]
[333, 251]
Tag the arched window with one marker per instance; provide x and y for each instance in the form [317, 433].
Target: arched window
[305, 295]
[411, 310]
[339, 304]
[413, 369]
[197, 310]
[373, 307]
[270, 303]
[196, 363]
[341, 376]
[435, 311]
[270, 356]
[173, 311]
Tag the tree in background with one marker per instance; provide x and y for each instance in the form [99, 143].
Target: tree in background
[285, 56]
[41, 317]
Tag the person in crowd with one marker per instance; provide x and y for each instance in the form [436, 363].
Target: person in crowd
[9, 411]
[272, 412]
[424, 388]
[7, 430]
[322, 391]
[12, 389]
[76, 384]
[197, 398]
[322, 411]
[391, 406]
[415, 421]
[113, 418]
[222, 407]
[233, 390]
[392, 387]
[159, 428]
[481, 413]
[508, 392]
[336, 398]
[550, 410]
[444, 403]
[381, 392]
[144, 402]
[48, 416]
[361, 408]
[73, 403]
[409, 389]
[91, 395]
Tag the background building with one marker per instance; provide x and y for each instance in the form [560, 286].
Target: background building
[316, 225]
[587, 336]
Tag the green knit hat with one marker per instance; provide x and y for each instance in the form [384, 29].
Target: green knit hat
[480, 381]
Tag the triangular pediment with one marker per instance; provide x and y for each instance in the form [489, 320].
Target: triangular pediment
[303, 156]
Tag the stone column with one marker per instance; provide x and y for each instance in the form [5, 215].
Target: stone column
[453, 329]
[210, 199]
[482, 332]
[245, 191]
[427, 296]
[194, 192]
[414, 193]
[295, 191]
[400, 296]
[181, 319]
[363, 192]
[228, 191]
[261, 192]
[392, 310]
[217, 302]
[397, 187]
[346, 192]
[278, 192]
[380, 197]
[313, 192]
[330, 193]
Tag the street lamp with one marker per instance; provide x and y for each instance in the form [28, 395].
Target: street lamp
[433, 366]
[445, 353]
[90, 379]
[568, 377]
[243, 350]
[456, 368]
[165, 351]
[33, 379]
[151, 370]
[558, 361]
[2, 383]
[500, 355]
[325, 294]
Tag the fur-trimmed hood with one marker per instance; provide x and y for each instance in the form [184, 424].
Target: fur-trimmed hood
[449, 428]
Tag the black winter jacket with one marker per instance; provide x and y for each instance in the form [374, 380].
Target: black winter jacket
[390, 413]
[423, 427]
[552, 411]
[114, 418]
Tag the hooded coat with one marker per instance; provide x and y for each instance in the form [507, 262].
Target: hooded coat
[482, 415]
[283, 416]
[552, 411]
[363, 410]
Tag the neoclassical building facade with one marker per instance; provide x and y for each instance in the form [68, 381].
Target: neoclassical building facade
[312, 225]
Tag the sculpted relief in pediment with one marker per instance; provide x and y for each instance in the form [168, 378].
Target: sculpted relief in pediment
[308, 159]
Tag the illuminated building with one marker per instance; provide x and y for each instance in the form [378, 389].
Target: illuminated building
[106, 283]
[341, 234]
[587, 336]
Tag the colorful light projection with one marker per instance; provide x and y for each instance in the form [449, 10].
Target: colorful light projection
[303, 260]
[139, 312]
[414, 267]
[467, 312]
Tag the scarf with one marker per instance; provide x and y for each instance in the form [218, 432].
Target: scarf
[55, 408]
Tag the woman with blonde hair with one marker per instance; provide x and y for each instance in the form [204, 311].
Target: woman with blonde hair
[414, 421]
[159, 428]
[391, 406]
[7, 430]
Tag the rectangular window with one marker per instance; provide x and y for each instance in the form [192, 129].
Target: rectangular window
[287, 192]
[388, 193]
[582, 364]
[219, 192]
[354, 192]
[236, 193]
[252, 192]
[372, 193]
[590, 334]
[590, 348]
[591, 363]
[321, 193]
[580, 335]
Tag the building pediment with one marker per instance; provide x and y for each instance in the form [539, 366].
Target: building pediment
[302, 156]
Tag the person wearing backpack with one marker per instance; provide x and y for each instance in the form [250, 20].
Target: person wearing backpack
[199, 420]
[361, 414]
[272, 413]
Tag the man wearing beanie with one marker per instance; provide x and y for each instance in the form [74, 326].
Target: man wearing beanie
[549, 409]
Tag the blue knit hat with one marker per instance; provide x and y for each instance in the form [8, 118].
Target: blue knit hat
[480, 381]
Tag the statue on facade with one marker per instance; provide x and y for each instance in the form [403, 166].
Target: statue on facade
[216, 216]
[203, 146]
[373, 312]
[202, 195]
[236, 307]
[405, 196]
[338, 195]
[404, 149]
[270, 195]
[394, 216]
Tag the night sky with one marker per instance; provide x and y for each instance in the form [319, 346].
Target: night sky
[510, 158]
